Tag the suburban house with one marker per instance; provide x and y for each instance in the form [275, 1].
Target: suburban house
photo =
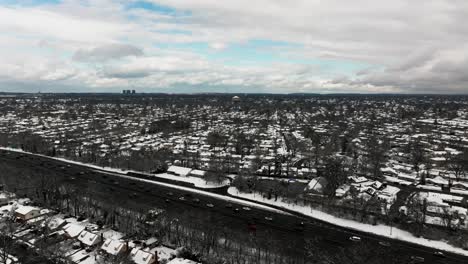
[88, 238]
[182, 261]
[140, 256]
[25, 213]
[114, 247]
[72, 230]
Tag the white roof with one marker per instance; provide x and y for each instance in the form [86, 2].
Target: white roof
[141, 257]
[55, 222]
[73, 230]
[182, 261]
[88, 238]
[182, 171]
[112, 246]
[24, 210]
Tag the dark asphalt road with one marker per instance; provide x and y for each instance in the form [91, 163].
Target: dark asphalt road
[232, 213]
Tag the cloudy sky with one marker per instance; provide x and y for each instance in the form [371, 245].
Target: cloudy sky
[277, 46]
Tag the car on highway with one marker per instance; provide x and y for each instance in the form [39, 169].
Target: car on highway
[384, 243]
[210, 205]
[439, 254]
[416, 259]
[228, 205]
[268, 218]
[355, 238]
[182, 198]
[246, 208]
[196, 200]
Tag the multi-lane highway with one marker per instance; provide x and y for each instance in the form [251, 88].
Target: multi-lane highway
[225, 211]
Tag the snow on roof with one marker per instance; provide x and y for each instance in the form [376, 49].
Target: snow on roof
[113, 247]
[163, 252]
[55, 222]
[317, 184]
[88, 238]
[357, 179]
[182, 171]
[438, 180]
[142, 257]
[182, 261]
[73, 230]
[198, 172]
[24, 210]
[390, 190]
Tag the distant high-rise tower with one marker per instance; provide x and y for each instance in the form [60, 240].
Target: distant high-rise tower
[133, 91]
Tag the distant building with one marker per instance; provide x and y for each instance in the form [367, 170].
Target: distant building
[236, 99]
[128, 92]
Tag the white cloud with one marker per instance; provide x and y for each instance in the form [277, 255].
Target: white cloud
[411, 45]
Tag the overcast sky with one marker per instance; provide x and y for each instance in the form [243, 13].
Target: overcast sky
[275, 46]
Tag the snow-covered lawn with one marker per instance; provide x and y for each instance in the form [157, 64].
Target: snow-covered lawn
[198, 182]
[381, 230]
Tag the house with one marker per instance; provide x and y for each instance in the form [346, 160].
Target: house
[182, 261]
[72, 230]
[389, 194]
[88, 238]
[140, 256]
[114, 247]
[316, 186]
[55, 223]
[25, 213]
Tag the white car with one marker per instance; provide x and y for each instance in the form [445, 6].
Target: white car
[355, 239]
[210, 205]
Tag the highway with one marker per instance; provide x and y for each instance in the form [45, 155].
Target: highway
[224, 211]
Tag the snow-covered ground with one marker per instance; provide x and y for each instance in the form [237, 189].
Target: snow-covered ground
[198, 182]
[381, 230]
